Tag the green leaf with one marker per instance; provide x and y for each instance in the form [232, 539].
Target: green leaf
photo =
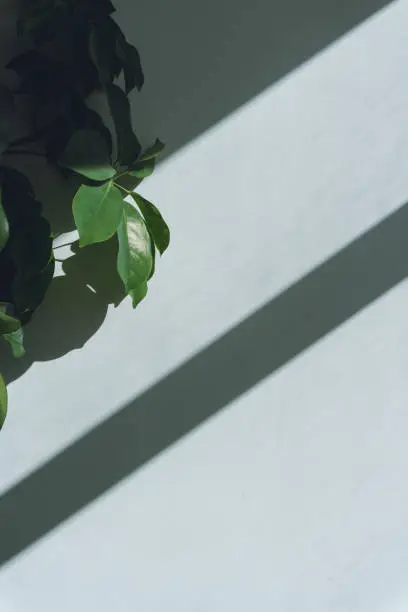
[3, 401]
[132, 67]
[128, 182]
[153, 151]
[76, 116]
[87, 154]
[127, 143]
[16, 342]
[143, 169]
[102, 49]
[8, 324]
[97, 212]
[4, 224]
[153, 257]
[138, 294]
[155, 223]
[135, 260]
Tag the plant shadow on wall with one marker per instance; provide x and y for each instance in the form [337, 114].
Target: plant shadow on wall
[175, 102]
[89, 285]
[73, 51]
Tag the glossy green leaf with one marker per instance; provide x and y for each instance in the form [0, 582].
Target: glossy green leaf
[8, 324]
[135, 260]
[142, 169]
[153, 257]
[3, 401]
[87, 154]
[97, 212]
[153, 151]
[138, 294]
[4, 224]
[127, 143]
[155, 223]
[16, 343]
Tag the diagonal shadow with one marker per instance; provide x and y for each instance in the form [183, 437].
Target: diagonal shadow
[203, 60]
[265, 341]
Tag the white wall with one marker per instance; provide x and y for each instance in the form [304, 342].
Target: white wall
[279, 311]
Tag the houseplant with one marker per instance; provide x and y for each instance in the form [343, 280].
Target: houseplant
[72, 49]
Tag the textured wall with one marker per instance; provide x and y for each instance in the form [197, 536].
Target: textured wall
[280, 311]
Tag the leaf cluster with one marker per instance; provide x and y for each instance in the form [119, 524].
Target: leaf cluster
[73, 48]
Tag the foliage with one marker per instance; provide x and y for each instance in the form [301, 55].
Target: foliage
[73, 48]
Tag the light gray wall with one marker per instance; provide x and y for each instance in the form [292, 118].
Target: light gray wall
[280, 312]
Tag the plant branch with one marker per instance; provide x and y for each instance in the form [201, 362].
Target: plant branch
[123, 188]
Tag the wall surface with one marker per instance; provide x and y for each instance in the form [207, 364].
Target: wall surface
[239, 442]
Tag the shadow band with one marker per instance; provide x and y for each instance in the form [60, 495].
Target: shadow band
[290, 323]
[204, 60]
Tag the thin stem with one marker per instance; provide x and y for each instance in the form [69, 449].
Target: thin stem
[122, 174]
[123, 189]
